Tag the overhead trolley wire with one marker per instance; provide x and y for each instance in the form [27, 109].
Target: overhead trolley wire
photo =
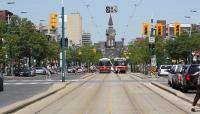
[131, 17]
[92, 17]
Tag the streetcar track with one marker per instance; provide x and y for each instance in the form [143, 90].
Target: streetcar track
[68, 92]
[157, 93]
[92, 101]
[73, 89]
[129, 97]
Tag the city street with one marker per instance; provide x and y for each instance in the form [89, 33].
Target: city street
[21, 88]
[99, 57]
[109, 94]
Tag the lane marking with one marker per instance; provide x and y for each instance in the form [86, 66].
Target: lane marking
[110, 101]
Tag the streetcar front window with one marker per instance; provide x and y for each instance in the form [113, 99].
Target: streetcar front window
[105, 63]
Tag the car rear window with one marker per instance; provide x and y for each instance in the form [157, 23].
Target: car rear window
[194, 69]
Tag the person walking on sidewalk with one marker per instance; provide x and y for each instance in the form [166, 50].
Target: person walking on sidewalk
[197, 96]
[48, 72]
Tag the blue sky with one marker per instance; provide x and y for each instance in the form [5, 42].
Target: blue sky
[127, 22]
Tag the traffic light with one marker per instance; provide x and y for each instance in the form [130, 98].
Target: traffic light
[146, 29]
[159, 29]
[65, 42]
[53, 21]
[177, 29]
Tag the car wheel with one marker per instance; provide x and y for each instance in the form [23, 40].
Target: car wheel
[184, 88]
[169, 83]
[173, 84]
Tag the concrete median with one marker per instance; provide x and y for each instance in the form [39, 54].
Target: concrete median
[18, 105]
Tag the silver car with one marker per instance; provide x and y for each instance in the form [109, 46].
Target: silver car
[40, 70]
[172, 73]
[163, 70]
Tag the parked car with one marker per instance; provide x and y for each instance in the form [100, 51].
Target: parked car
[41, 70]
[71, 70]
[33, 71]
[79, 70]
[189, 79]
[178, 77]
[1, 82]
[23, 71]
[163, 70]
[172, 73]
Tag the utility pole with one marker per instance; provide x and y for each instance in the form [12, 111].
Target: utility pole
[63, 69]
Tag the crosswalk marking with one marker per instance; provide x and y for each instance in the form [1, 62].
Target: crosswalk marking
[32, 83]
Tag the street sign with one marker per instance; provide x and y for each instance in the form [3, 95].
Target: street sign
[151, 39]
[111, 9]
[153, 60]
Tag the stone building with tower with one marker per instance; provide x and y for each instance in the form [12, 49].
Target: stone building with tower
[110, 48]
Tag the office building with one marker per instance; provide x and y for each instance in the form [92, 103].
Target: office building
[86, 38]
[74, 28]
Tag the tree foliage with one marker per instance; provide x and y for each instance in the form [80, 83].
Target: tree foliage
[178, 48]
[21, 39]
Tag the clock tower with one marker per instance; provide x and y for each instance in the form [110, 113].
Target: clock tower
[110, 33]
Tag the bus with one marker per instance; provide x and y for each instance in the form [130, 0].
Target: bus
[105, 65]
[120, 65]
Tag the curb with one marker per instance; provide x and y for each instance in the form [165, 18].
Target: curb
[170, 90]
[174, 92]
[16, 106]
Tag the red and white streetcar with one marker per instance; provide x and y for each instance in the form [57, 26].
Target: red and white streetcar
[120, 65]
[105, 65]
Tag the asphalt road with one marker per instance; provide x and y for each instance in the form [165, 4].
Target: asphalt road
[21, 88]
[105, 94]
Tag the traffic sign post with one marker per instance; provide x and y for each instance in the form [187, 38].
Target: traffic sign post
[153, 66]
[63, 69]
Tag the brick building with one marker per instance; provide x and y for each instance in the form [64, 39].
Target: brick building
[5, 14]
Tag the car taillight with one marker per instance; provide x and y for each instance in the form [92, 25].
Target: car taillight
[187, 77]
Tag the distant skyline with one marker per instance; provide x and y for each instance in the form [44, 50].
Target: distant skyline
[127, 22]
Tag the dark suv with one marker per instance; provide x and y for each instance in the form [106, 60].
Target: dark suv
[189, 77]
[1, 82]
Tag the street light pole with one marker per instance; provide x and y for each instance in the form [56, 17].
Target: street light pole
[190, 32]
[62, 46]
[8, 31]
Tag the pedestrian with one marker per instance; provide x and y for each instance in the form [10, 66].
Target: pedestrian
[48, 72]
[197, 96]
